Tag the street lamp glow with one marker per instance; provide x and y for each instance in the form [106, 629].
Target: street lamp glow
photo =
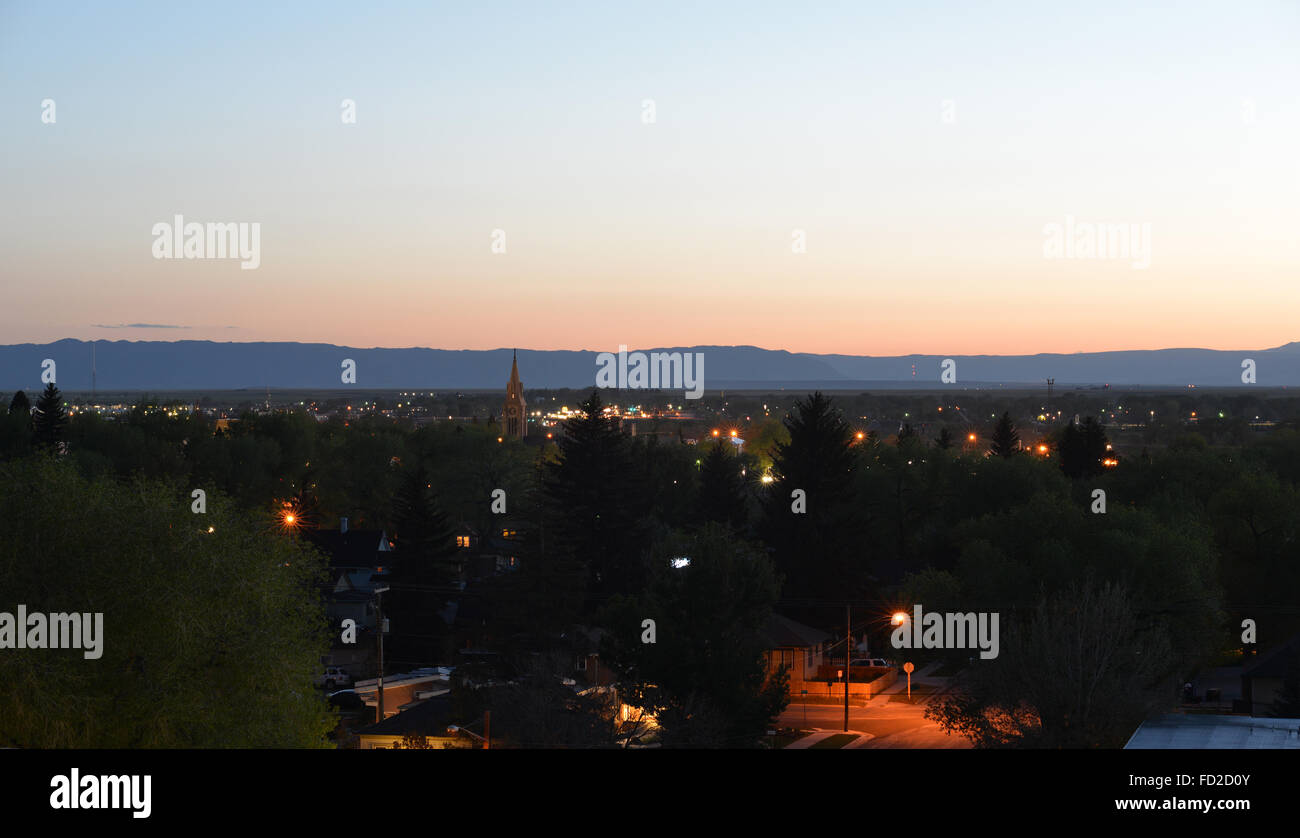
[899, 618]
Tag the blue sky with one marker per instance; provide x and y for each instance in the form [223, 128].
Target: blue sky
[922, 235]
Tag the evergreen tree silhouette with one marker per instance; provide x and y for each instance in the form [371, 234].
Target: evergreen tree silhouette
[1006, 439]
[49, 418]
[722, 489]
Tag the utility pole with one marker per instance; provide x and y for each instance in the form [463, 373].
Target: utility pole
[379, 596]
[487, 730]
[848, 653]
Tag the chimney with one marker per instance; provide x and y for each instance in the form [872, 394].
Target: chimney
[343, 524]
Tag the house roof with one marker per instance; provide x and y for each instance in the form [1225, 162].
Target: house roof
[784, 633]
[1273, 663]
[429, 717]
[1176, 731]
[354, 548]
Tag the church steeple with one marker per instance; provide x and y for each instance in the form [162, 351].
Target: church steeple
[513, 418]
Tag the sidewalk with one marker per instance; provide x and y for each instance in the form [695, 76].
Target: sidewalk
[922, 675]
[813, 738]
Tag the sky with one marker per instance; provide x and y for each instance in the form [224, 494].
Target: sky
[919, 152]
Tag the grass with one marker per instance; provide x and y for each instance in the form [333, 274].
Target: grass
[839, 740]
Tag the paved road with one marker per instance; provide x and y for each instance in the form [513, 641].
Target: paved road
[891, 724]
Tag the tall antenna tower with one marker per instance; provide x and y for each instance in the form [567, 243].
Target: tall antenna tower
[94, 389]
[1050, 382]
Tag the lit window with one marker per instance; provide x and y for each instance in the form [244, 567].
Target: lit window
[462, 541]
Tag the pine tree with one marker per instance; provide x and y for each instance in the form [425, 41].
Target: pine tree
[722, 489]
[1082, 448]
[49, 418]
[597, 510]
[20, 403]
[945, 440]
[1006, 439]
[420, 571]
[816, 550]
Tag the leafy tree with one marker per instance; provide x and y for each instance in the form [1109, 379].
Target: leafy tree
[16, 428]
[1286, 704]
[1006, 439]
[704, 678]
[945, 439]
[1080, 671]
[49, 418]
[210, 638]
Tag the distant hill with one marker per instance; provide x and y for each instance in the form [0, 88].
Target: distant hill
[207, 365]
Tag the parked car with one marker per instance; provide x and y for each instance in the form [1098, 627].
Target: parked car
[872, 662]
[347, 701]
[333, 678]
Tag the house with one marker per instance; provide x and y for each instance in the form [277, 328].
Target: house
[799, 648]
[356, 557]
[1261, 679]
[404, 690]
[428, 720]
[1204, 730]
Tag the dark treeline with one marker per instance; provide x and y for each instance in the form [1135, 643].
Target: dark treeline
[1200, 532]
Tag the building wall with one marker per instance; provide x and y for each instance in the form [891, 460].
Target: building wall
[370, 742]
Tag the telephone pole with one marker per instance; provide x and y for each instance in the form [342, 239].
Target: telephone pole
[848, 658]
[379, 596]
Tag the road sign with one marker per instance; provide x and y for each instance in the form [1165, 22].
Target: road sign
[908, 667]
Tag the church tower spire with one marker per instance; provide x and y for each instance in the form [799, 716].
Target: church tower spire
[513, 417]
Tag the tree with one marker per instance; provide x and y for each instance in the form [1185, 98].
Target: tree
[597, 510]
[1286, 704]
[1082, 448]
[1081, 671]
[817, 549]
[420, 572]
[1006, 439]
[704, 678]
[49, 418]
[722, 489]
[945, 440]
[16, 428]
[212, 632]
